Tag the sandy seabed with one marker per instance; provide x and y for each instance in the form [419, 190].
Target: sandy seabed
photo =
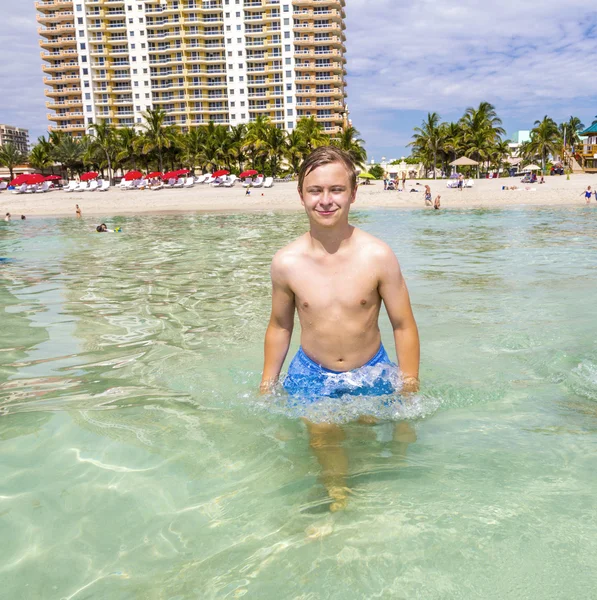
[487, 193]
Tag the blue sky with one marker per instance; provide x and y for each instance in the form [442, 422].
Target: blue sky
[529, 58]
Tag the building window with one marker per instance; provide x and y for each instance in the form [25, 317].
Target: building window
[289, 112]
[286, 8]
[87, 96]
[286, 21]
[85, 71]
[238, 27]
[289, 86]
[88, 108]
[288, 99]
[242, 116]
[290, 125]
[80, 20]
[83, 46]
[79, 7]
[287, 34]
[287, 47]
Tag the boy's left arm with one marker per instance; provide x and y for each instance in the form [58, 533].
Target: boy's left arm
[394, 293]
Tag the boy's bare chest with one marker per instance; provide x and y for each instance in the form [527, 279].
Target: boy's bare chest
[344, 285]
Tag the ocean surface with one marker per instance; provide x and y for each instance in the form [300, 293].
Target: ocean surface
[138, 462]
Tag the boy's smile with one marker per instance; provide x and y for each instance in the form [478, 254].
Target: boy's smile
[327, 193]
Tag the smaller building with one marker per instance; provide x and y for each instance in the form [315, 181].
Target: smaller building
[588, 152]
[15, 135]
[516, 140]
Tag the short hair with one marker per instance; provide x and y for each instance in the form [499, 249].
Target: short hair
[99, 229]
[325, 155]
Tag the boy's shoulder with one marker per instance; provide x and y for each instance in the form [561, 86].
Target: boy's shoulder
[289, 255]
[371, 245]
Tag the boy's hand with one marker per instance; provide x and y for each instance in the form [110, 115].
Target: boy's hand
[267, 386]
[410, 385]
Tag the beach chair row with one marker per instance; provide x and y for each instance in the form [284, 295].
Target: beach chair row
[96, 185]
[189, 182]
[36, 188]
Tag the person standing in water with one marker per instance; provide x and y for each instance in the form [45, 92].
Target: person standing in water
[436, 202]
[336, 277]
[588, 193]
[77, 211]
[7, 217]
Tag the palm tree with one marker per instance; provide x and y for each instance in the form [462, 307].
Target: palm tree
[426, 140]
[350, 142]
[569, 132]
[103, 139]
[40, 157]
[11, 156]
[158, 137]
[275, 144]
[69, 153]
[545, 140]
[127, 143]
[451, 142]
[296, 150]
[312, 133]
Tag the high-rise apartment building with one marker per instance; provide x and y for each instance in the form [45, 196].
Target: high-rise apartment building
[225, 61]
[16, 136]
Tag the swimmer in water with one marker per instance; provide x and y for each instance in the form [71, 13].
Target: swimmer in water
[587, 194]
[7, 217]
[336, 277]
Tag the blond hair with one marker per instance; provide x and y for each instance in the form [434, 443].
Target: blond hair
[325, 155]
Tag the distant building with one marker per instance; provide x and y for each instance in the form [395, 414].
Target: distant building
[15, 135]
[588, 154]
[516, 140]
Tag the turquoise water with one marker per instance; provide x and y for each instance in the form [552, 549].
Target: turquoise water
[137, 462]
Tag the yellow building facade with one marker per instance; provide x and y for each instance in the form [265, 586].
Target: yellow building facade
[226, 61]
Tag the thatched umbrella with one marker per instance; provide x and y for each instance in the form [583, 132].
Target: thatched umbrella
[463, 161]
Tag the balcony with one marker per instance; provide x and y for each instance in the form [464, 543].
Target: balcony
[55, 17]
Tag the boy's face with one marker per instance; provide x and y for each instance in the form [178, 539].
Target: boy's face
[327, 194]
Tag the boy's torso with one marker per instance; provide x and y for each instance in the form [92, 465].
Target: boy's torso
[338, 302]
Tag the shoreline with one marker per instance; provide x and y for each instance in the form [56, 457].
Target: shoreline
[283, 197]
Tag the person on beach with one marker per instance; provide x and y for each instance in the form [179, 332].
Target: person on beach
[77, 211]
[436, 202]
[403, 181]
[427, 195]
[7, 217]
[336, 277]
[588, 193]
[460, 181]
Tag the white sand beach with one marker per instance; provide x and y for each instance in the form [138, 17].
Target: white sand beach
[556, 190]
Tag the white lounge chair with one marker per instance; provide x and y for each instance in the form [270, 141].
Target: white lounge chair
[82, 187]
[20, 190]
[209, 179]
[231, 181]
[269, 181]
[3, 185]
[248, 182]
[201, 179]
[258, 182]
[157, 186]
[105, 186]
[31, 189]
[72, 186]
[190, 182]
[469, 183]
[93, 185]
[179, 183]
[45, 186]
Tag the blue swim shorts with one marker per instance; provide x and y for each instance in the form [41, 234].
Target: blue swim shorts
[308, 380]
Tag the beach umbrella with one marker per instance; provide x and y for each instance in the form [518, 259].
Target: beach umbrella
[89, 176]
[20, 179]
[132, 175]
[220, 173]
[532, 168]
[463, 161]
[35, 178]
[365, 175]
[153, 175]
[53, 178]
[248, 173]
[171, 175]
[182, 172]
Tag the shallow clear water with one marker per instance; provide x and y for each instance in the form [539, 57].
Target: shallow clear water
[136, 460]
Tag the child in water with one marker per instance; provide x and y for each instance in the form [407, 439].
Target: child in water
[336, 277]
[588, 193]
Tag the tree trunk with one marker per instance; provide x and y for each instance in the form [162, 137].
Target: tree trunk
[434, 163]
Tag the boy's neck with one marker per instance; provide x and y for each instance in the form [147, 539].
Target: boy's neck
[330, 240]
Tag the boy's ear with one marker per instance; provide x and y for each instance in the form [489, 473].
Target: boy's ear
[300, 193]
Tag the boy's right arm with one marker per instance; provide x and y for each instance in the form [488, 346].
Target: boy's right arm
[279, 329]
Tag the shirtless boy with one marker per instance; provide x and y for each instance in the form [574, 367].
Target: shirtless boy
[336, 276]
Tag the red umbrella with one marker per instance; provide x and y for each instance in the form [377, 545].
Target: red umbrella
[248, 173]
[171, 175]
[132, 175]
[35, 178]
[89, 175]
[153, 175]
[220, 173]
[53, 178]
[20, 179]
[182, 172]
